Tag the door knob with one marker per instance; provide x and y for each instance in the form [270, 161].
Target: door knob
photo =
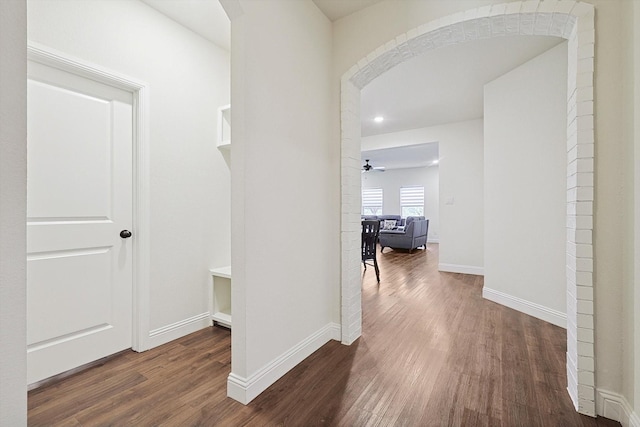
[125, 234]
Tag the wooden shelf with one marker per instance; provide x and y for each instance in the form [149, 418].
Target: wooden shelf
[220, 300]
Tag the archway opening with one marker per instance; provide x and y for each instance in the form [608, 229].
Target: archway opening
[571, 21]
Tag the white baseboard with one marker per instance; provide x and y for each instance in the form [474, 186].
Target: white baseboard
[356, 332]
[464, 269]
[244, 390]
[547, 314]
[616, 407]
[436, 240]
[178, 329]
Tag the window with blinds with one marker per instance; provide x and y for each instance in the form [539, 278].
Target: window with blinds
[372, 201]
[412, 201]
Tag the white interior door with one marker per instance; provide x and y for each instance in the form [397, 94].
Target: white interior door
[79, 198]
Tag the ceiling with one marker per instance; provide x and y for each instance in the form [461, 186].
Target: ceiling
[445, 85]
[204, 17]
[336, 9]
[408, 156]
[208, 19]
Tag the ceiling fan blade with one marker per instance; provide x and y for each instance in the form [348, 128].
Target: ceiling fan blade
[380, 168]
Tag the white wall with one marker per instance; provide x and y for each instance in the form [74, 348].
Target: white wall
[610, 233]
[285, 204]
[461, 198]
[460, 216]
[629, 330]
[632, 379]
[13, 191]
[188, 79]
[636, 218]
[525, 168]
[359, 34]
[392, 179]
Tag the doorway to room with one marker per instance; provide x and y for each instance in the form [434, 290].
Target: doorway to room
[471, 26]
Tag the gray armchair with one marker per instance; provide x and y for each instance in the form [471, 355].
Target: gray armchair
[413, 236]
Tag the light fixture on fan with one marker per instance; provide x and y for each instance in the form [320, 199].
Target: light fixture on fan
[367, 167]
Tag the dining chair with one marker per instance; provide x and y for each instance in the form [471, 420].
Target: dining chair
[370, 233]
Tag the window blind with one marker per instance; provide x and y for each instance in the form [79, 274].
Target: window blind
[412, 200]
[372, 201]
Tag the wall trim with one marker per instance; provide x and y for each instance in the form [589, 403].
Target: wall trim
[244, 390]
[464, 269]
[178, 329]
[616, 407]
[436, 240]
[140, 90]
[547, 314]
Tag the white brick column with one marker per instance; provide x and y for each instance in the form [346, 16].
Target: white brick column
[568, 19]
[580, 195]
[351, 228]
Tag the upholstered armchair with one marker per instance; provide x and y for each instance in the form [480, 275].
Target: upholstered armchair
[411, 237]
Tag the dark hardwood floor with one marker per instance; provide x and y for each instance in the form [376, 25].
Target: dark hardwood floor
[432, 353]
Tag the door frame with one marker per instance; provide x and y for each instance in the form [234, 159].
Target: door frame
[140, 92]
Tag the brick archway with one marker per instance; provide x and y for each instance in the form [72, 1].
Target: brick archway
[573, 21]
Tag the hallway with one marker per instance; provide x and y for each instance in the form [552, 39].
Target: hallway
[433, 353]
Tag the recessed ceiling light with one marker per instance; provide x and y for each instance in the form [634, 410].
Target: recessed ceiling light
[378, 119]
[436, 161]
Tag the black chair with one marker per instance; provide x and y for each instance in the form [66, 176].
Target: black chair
[370, 233]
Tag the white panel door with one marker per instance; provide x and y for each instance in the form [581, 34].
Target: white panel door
[79, 198]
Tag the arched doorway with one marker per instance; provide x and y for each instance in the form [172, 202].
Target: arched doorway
[572, 21]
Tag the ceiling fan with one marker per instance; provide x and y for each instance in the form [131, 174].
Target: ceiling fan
[367, 167]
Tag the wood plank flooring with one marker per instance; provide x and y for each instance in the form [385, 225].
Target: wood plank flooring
[432, 353]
